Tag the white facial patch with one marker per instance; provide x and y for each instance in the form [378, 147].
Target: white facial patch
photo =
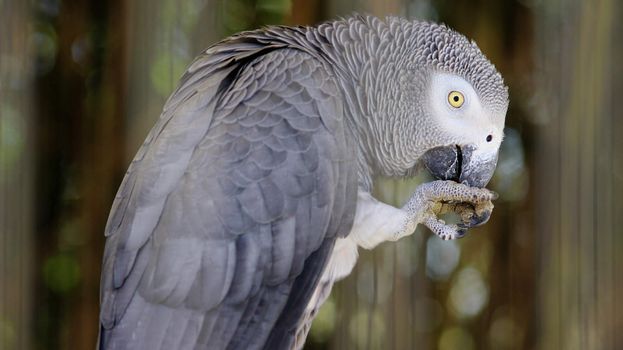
[458, 110]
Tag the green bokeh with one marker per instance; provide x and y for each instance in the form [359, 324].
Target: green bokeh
[7, 333]
[165, 71]
[11, 138]
[324, 323]
[61, 273]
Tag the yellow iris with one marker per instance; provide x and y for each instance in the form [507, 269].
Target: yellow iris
[455, 99]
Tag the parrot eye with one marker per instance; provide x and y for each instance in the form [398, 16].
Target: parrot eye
[455, 99]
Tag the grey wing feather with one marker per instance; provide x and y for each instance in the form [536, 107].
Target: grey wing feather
[227, 215]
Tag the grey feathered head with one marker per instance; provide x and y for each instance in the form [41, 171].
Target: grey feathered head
[431, 97]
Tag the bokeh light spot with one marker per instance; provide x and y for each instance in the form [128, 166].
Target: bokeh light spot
[442, 257]
[469, 293]
[61, 273]
[456, 338]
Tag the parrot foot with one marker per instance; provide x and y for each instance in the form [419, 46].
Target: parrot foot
[472, 204]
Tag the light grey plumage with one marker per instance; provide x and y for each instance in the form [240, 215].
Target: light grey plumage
[227, 216]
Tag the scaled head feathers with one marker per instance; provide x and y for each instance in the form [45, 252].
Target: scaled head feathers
[403, 73]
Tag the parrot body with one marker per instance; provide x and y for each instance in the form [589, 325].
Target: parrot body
[251, 194]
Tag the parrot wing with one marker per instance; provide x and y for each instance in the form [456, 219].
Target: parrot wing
[228, 213]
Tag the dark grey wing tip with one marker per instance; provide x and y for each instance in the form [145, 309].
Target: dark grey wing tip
[283, 334]
[101, 343]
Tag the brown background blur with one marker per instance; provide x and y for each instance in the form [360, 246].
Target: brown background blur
[82, 81]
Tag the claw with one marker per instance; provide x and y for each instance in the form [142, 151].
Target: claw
[478, 220]
[443, 231]
[461, 232]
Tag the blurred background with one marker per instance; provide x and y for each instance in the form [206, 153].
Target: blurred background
[82, 81]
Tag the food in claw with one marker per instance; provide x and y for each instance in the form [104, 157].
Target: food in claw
[470, 214]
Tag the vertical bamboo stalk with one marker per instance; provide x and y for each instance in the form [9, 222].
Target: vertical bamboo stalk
[579, 177]
[16, 176]
[100, 163]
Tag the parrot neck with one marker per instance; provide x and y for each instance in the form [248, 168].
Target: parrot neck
[369, 59]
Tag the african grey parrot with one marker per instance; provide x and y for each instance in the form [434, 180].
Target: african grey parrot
[252, 193]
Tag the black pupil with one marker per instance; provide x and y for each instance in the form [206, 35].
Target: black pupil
[456, 98]
[489, 138]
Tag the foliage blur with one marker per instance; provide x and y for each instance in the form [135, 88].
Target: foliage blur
[82, 81]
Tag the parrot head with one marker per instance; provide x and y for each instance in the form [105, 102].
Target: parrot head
[454, 101]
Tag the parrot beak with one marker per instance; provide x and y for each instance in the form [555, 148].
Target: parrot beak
[462, 164]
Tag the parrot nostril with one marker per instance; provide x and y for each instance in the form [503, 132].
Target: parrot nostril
[489, 138]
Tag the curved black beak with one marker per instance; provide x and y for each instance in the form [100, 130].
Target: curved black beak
[462, 164]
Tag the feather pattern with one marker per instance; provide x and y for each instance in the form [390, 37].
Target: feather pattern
[229, 212]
